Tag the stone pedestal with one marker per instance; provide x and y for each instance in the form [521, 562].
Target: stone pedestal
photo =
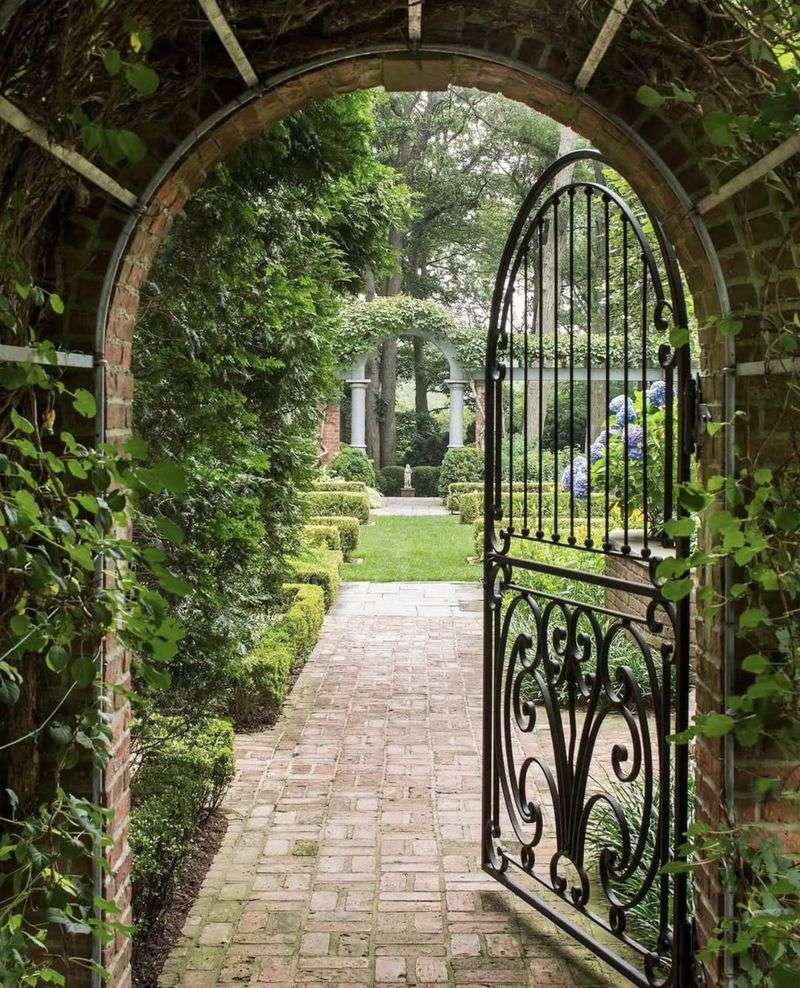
[407, 492]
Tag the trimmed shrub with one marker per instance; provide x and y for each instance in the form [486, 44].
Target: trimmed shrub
[530, 549]
[259, 681]
[352, 464]
[321, 568]
[183, 775]
[334, 484]
[390, 481]
[304, 616]
[454, 491]
[325, 536]
[471, 506]
[344, 503]
[460, 464]
[425, 481]
[347, 528]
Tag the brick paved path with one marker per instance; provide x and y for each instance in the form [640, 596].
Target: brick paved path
[351, 855]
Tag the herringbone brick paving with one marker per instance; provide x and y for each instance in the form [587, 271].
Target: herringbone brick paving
[351, 856]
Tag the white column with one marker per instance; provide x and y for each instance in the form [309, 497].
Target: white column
[456, 413]
[358, 415]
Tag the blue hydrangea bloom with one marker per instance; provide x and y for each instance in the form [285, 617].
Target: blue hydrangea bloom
[657, 394]
[626, 412]
[578, 467]
[580, 485]
[635, 443]
[616, 405]
[598, 447]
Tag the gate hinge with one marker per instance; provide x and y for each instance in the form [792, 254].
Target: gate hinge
[698, 415]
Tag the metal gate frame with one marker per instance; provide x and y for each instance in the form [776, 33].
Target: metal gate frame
[676, 940]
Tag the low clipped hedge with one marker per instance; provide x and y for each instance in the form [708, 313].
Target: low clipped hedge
[304, 616]
[425, 481]
[183, 775]
[334, 484]
[259, 682]
[353, 464]
[321, 568]
[454, 491]
[471, 505]
[349, 504]
[347, 528]
[324, 536]
[390, 481]
[520, 546]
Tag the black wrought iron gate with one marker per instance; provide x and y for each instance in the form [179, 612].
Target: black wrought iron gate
[586, 664]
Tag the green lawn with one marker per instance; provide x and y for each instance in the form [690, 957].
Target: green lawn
[400, 549]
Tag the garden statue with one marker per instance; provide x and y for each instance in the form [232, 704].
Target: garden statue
[408, 490]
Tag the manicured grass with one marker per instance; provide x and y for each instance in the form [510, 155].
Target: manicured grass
[400, 549]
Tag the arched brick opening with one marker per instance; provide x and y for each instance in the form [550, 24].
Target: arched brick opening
[106, 252]
[186, 170]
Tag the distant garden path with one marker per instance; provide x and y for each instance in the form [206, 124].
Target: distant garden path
[411, 506]
[351, 855]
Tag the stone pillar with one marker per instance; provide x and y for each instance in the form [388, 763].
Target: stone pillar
[358, 415]
[456, 413]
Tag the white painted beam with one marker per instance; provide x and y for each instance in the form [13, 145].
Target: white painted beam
[28, 355]
[225, 33]
[602, 42]
[415, 21]
[19, 121]
[752, 173]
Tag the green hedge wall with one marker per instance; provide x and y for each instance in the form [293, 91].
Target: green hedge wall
[322, 536]
[321, 568]
[184, 773]
[425, 481]
[346, 503]
[471, 505]
[304, 616]
[347, 528]
[390, 481]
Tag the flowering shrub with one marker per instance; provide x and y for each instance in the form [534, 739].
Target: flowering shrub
[617, 445]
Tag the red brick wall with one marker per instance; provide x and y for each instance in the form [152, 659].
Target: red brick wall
[330, 433]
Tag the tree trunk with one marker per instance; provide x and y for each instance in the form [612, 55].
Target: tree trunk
[535, 426]
[420, 378]
[388, 396]
[373, 422]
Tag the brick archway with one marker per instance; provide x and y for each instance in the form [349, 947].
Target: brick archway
[651, 153]
[184, 172]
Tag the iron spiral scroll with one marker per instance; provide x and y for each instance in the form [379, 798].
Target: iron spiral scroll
[585, 798]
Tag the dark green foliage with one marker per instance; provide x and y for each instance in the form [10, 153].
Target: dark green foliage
[347, 528]
[346, 503]
[390, 481]
[425, 481]
[352, 464]
[452, 497]
[460, 464]
[427, 442]
[184, 772]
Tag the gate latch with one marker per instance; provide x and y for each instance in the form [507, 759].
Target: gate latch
[698, 415]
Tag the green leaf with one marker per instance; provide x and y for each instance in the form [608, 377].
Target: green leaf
[752, 618]
[136, 448]
[763, 476]
[57, 659]
[718, 128]
[715, 725]
[679, 527]
[83, 670]
[56, 303]
[84, 403]
[166, 475]
[9, 692]
[142, 78]
[21, 423]
[649, 97]
[169, 530]
[729, 326]
[678, 336]
[23, 290]
[171, 583]
[112, 60]
[27, 503]
[755, 663]
[134, 147]
[677, 589]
